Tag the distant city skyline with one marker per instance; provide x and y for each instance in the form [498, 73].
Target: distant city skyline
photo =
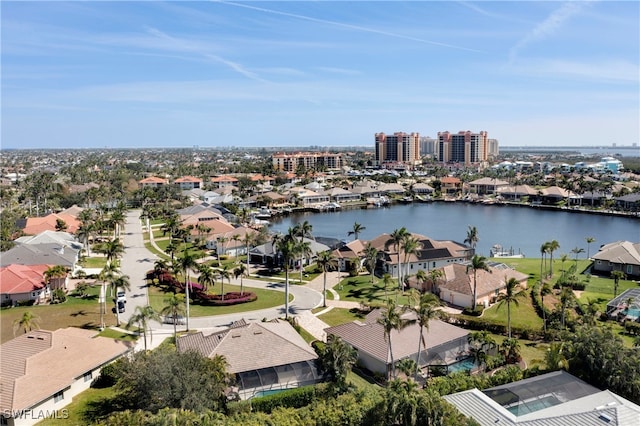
[218, 74]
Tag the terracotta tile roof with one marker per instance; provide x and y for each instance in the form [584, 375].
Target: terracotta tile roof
[40, 363]
[368, 336]
[16, 279]
[224, 178]
[153, 179]
[450, 180]
[188, 179]
[351, 250]
[252, 346]
[36, 225]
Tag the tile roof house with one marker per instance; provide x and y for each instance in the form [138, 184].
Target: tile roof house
[188, 182]
[152, 182]
[51, 237]
[487, 185]
[456, 286]
[36, 225]
[224, 181]
[349, 253]
[42, 370]
[263, 355]
[445, 343]
[618, 256]
[552, 399]
[450, 185]
[20, 283]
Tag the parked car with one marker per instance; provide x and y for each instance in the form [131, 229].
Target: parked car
[121, 296]
[178, 319]
[120, 306]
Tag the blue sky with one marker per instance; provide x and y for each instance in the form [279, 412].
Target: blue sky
[299, 73]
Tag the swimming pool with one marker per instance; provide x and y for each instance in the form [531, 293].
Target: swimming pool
[268, 392]
[526, 407]
[633, 313]
[466, 364]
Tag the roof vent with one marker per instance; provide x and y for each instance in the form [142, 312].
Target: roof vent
[257, 332]
[604, 418]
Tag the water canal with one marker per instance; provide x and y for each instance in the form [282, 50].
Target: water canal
[522, 228]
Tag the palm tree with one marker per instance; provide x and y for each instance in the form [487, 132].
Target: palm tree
[337, 357]
[544, 249]
[477, 263]
[617, 276]
[326, 261]
[174, 307]
[425, 312]
[555, 357]
[186, 263]
[589, 241]
[240, 271]
[28, 321]
[410, 246]
[545, 289]
[356, 230]
[577, 251]
[395, 240]
[422, 277]
[553, 246]
[224, 274]
[118, 221]
[391, 319]
[386, 282]
[567, 298]
[472, 237]
[510, 348]
[207, 276]
[55, 273]
[248, 240]
[142, 316]
[370, 259]
[287, 248]
[112, 249]
[511, 295]
[563, 258]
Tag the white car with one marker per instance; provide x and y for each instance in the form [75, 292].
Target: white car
[121, 296]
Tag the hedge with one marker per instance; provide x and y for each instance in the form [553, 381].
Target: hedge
[231, 298]
[496, 328]
[291, 398]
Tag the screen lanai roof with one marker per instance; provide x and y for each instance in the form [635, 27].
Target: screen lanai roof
[621, 300]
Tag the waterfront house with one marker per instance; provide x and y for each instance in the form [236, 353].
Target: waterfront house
[391, 189]
[552, 399]
[618, 256]
[555, 194]
[446, 344]
[306, 197]
[450, 185]
[422, 188]
[629, 202]
[42, 371]
[487, 186]
[340, 195]
[455, 287]
[517, 192]
[267, 254]
[263, 356]
[350, 254]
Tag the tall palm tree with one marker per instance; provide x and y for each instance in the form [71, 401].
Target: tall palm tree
[589, 241]
[187, 263]
[287, 248]
[410, 246]
[326, 261]
[472, 237]
[544, 249]
[511, 295]
[477, 263]
[553, 246]
[207, 275]
[617, 276]
[240, 271]
[425, 312]
[395, 240]
[337, 357]
[545, 289]
[112, 249]
[567, 299]
[391, 319]
[356, 230]
[84, 233]
[27, 322]
[563, 258]
[142, 316]
[118, 221]
[422, 277]
[224, 274]
[370, 259]
[435, 275]
[577, 251]
[387, 280]
[174, 307]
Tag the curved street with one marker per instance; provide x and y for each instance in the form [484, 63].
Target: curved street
[137, 260]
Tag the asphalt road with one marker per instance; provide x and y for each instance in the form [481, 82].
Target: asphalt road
[137, 260]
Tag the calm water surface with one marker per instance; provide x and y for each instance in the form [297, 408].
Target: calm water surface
[523, 229]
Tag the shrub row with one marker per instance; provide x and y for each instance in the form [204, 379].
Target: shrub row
[292, 398]
[231, 298]
[496, 328]
[632, 328]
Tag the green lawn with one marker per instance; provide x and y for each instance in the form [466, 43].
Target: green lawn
[266, 299]
[360, 289]
[601, 290]
[94, 262]
[533, 353]
[337, 316]
[79, 412]
[523, 315]
[75, 312]
[118, 335]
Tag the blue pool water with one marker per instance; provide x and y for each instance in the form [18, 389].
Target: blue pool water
[535, 405]
[268, 392]
[466, 364]
[634, 313]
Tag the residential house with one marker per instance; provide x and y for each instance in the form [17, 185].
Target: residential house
[224, 181]
[629, 202]
[392, 189]
[446, 344]
[152, 182]
[41, 254]
[350, 254]
[422, 188]
[22, 283]
[51, 237]
[555, 194]
[36, 225]
[487, 186]
[188, 182]
[450, 185]
[307, 197]
[263, 356]
[267, 254]
[456, 286]
[42, 371]
[517, 192]
[340, 195]
[618, 256]
[552, 399]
